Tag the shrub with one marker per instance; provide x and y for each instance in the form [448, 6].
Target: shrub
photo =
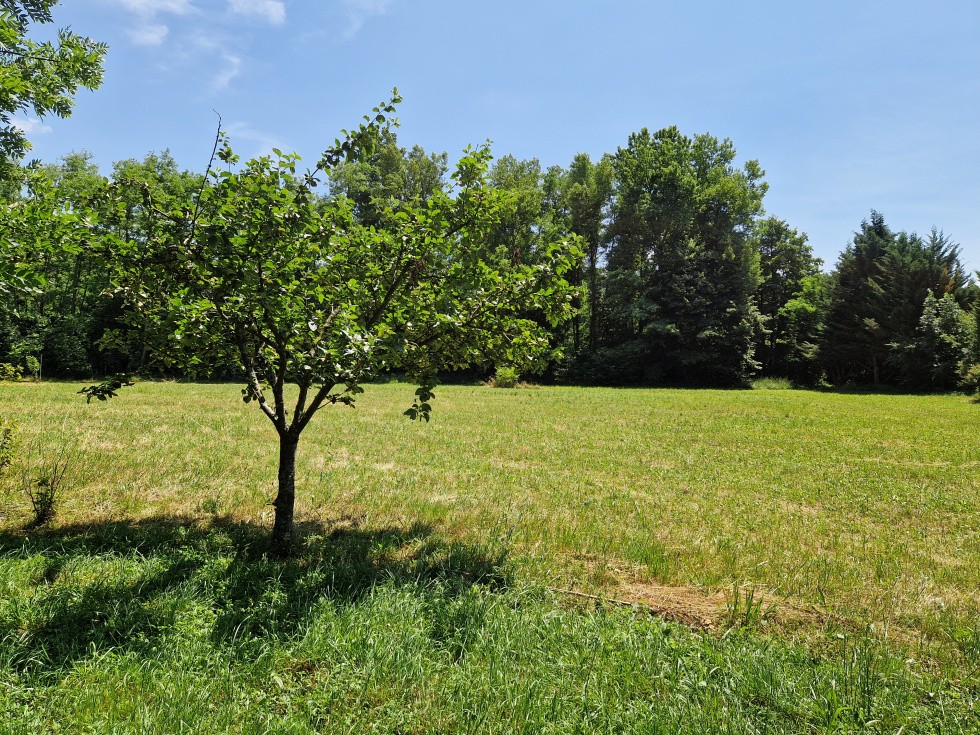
[6, 445]
[43, 496]
[506, 377]
[33, 367]
[45, 487]
[971, 378]
[10, 373]
[626, 364]
[772, 384]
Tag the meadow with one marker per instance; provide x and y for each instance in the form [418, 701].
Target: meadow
[532, 560]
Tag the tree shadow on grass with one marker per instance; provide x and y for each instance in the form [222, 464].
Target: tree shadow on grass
[128, 585]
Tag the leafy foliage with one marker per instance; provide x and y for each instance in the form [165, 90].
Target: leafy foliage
[58, 304]
[881, 283]
[39, 78]
[580, 199]
[33, 226]
[107, 389]
[421, 408]
[388, 175]
[506, 377]
[6, 445]
[970, 378]
[940, 347]
[790, 301]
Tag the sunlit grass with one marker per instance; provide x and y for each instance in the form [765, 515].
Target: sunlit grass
[856, 502]
[856, 515]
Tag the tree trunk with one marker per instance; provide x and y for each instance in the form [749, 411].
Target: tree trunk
[282, 528]
[593, 297]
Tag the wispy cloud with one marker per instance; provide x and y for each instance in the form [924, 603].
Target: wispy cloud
[210, 43]
[148, 34]
[360, 11]
[148, 31]
[219, 47]
[30, 125]
[274, 11]
[264, 142]
[151, 7]
[231, 68]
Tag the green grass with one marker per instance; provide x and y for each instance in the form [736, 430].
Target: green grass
[419, 600]
[160, 627]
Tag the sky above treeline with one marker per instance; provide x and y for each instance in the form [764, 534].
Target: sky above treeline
[848, 106]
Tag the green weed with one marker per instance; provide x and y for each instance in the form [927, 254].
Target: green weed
[772, 384]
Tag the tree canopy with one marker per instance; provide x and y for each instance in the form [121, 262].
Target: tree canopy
[881, 283]
[682, 272]
[39, 78]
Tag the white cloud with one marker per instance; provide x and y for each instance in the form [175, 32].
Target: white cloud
[30, 125]
[152, 7]
[148, 34]
[216, 46]
[273, 11]
[232, 67]
[207, 43]
[359, 11]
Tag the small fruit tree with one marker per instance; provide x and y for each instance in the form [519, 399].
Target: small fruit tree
[261, 271]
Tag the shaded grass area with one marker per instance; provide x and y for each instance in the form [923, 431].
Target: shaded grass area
[166, 625]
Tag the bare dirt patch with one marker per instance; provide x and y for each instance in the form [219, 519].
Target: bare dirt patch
[689, 605]
[696, 607]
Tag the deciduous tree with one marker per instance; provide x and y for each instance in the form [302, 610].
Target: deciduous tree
[788, 300]
[297, 291]
[39, 78]
[682, 270]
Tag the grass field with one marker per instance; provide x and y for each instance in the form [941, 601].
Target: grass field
[821, 552]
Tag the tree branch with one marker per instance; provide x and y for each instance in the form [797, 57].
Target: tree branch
[260, 397]
[204, 183]
[318, 400]
[25, 55]
[304, 389]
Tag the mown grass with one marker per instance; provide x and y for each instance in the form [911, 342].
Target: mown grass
[419, 600]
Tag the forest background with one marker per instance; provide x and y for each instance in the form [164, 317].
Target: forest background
[685, 281]
[687, 278]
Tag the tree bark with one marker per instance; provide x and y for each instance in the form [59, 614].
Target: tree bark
[593, 297]
[282, 528]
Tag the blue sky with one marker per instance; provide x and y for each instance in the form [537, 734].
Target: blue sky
[848, 106]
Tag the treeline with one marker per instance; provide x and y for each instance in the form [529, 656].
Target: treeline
[684, 279]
